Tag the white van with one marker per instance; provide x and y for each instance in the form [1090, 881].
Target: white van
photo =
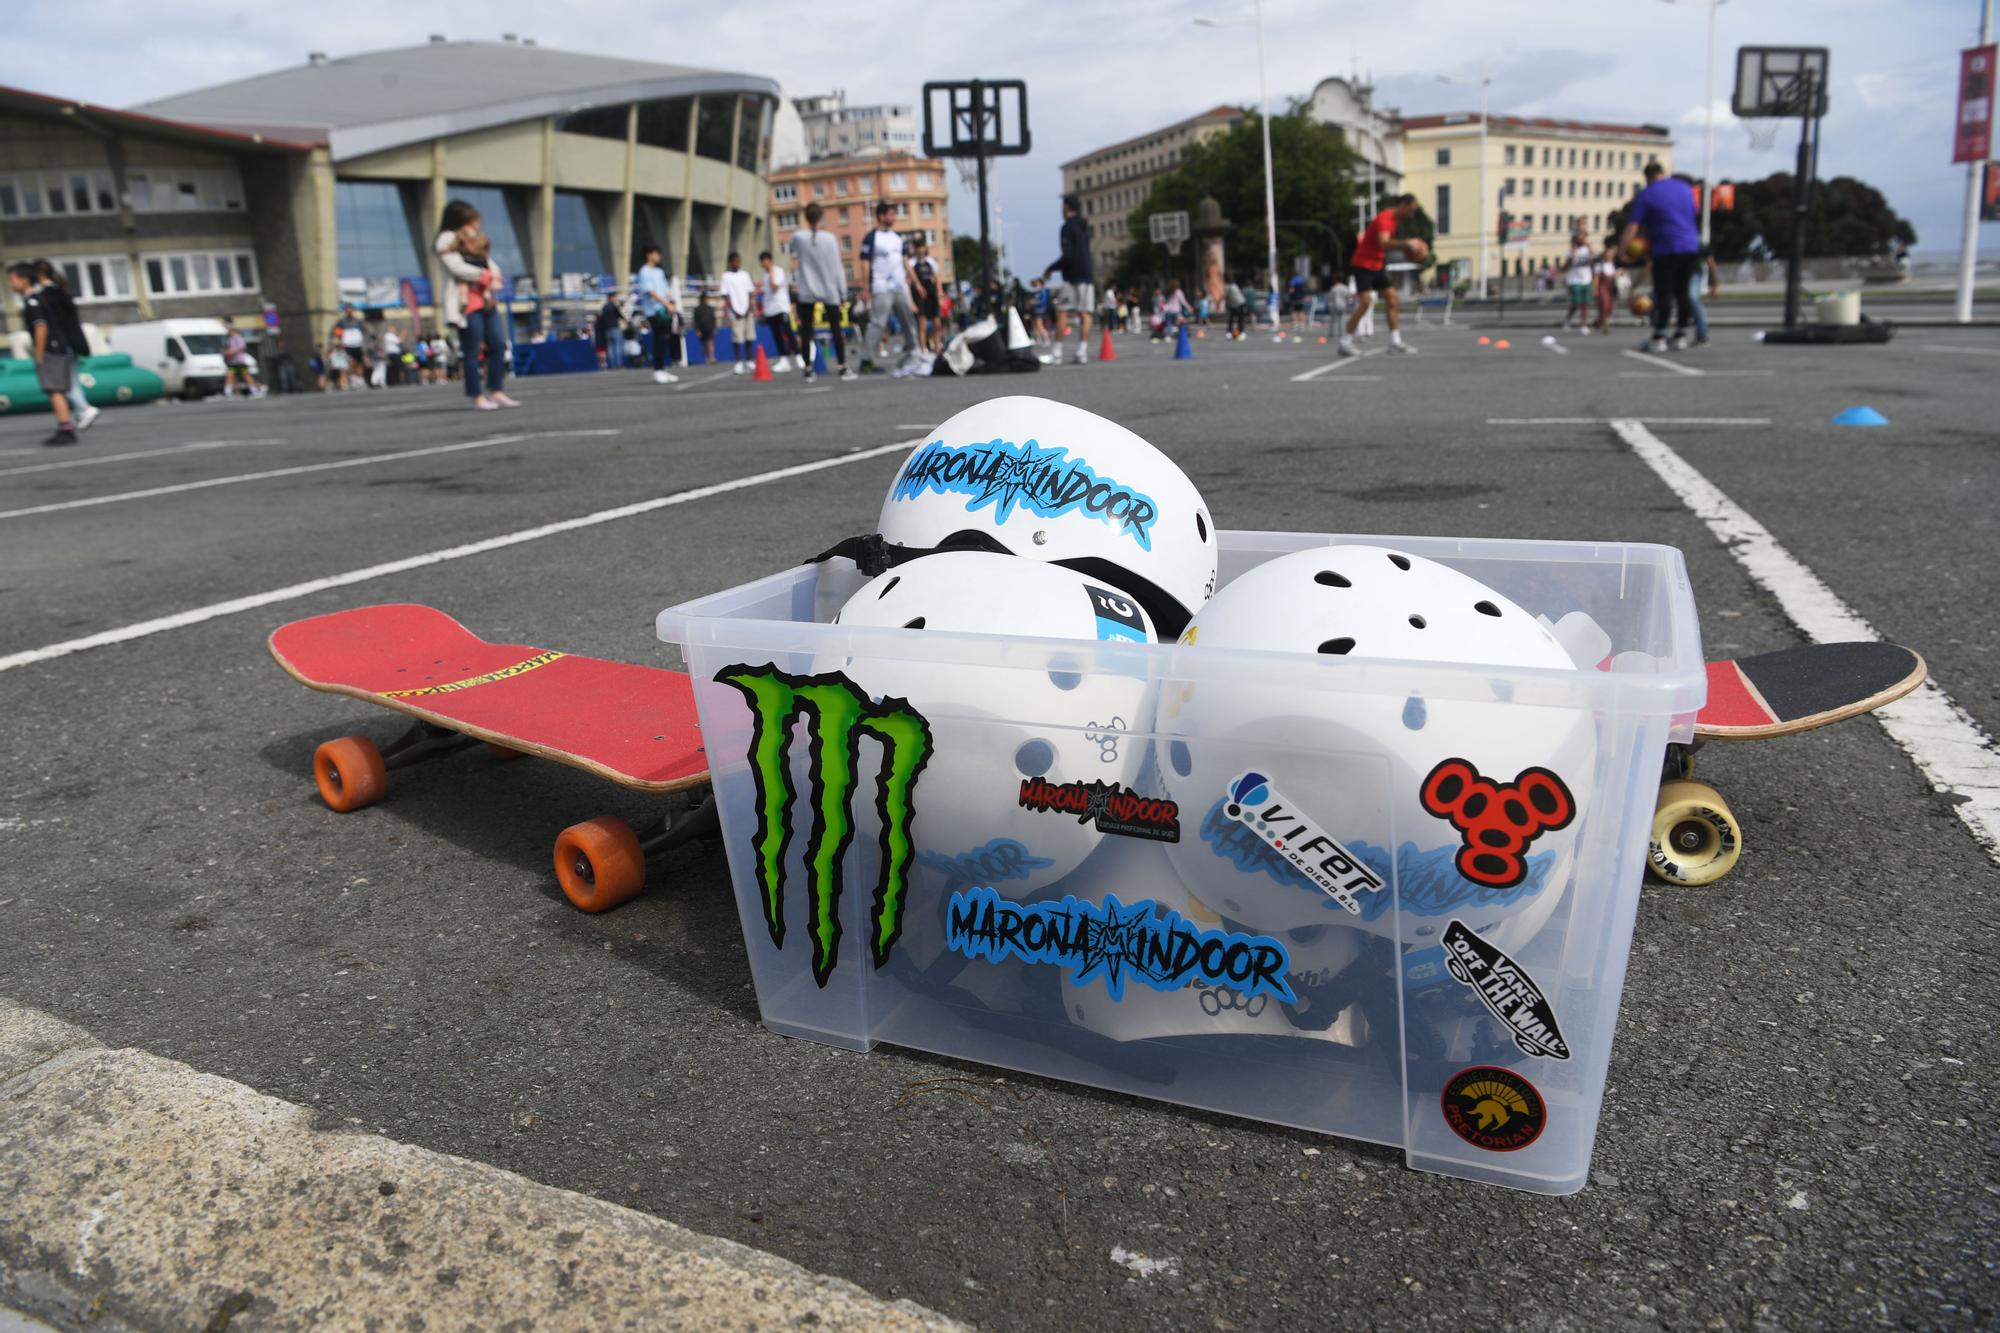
[186, 353]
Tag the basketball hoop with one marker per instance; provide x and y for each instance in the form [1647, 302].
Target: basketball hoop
[1170, 230]
[1762, 131]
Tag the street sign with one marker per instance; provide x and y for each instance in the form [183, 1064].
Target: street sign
[1515, 233]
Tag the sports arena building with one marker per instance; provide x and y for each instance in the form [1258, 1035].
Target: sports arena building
[322, 184]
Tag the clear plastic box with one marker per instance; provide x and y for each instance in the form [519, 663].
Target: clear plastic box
[887, 900]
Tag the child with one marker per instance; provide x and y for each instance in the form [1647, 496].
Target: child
[473, 248]
[704, 328]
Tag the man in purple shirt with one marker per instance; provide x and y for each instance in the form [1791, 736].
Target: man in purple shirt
[1664, 211]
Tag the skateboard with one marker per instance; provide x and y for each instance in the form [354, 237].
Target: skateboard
[1696, 838]
[633, 725]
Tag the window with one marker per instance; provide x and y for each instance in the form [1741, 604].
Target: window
[186, 274]
[1527, 186]
[1507, 158]
[578, 248]
[94, 278]
[898, 181]
[1507, 186]
[175, 189]
[784, 194]
[599, 122]
[843, 215]
[664, 124]
[840, 187]
[1443, 210]
[1572, 157]
[753, 132]
[1444, 157]
[902, 210]
[372, 231]
[864, 186]
[1548, 155]
[713, 125]
[846, 242]
[923, 180]
[927, 209]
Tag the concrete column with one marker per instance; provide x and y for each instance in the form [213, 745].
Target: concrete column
[682, 220]
[313, 224]
[619, 261]
[542, 215]
[114, 152]
[434, 202]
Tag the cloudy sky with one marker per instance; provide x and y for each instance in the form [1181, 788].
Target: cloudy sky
[1104, 70]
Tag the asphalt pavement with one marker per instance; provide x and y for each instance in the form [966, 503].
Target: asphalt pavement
[1795, 1133]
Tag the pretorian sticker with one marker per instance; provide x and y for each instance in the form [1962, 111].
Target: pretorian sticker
[1505, 987]
[1047, 483]
[1496, 823]
[1310, 849]
[1494, 1109]
[1115, 943]
[1111, 806]
[837, 716]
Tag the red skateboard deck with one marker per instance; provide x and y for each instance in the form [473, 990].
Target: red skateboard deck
[634, 725]
[1798, 689]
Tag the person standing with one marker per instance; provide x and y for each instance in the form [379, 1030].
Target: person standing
[885, 273]
[55, 363]
[774, 303]
[608, 332]
[353, 336]
[656, 307]
[1236, 306]
[1079, 290]
[822, 288]
[738, 292]
[1579, 276]
[926, 295]
[238, 364]
[471, 305]
[62, 306]
[1606, 272]
[1371, 276]
[1664, 212]
[1706, 279]
[704, 328]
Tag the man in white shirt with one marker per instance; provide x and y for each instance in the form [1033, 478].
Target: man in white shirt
[776, 298]
[886, 273]
[822, 285]
[656, 306]
[736, 295]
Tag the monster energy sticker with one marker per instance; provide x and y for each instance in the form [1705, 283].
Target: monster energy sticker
[837, 715]
[1505, 987]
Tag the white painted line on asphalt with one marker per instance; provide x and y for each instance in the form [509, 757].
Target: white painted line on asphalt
[1659, 359]
[917, 426]
[1337, 365]
[95, 459]
[1711, 374]
[1956, 756]
[1651, 421]
[706, 379]
[293, 592]
[300, 470]
[1962, 351]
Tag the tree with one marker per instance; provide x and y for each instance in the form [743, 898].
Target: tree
[1848, 218]
[965, 259]
[1313, 171]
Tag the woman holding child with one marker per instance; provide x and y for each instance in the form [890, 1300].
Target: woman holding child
[471, 303]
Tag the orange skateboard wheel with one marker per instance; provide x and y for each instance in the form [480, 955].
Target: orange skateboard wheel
[350, 773]
[599, 864]
[503, 752]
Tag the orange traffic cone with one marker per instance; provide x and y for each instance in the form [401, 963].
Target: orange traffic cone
[763, 366]
[1105, 351]
[1201, 333]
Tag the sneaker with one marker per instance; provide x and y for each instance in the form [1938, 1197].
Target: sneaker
[847, 376]
[1346, 347]
[1403, 348]
[1698, 342]
[63, 435]
[1679, 343]
[485, 405]
[1583, 332]
[1653, 345]
[664, 377]
[742, 368]
[504, 400]
[810, 377]
[86, 417]
[1082, 357]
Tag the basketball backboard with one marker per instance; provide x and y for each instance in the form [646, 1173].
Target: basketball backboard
[976, 118]
[1169, 229]
[1780, 81]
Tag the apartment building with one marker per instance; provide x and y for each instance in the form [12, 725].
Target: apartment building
[848, 188]
[1110, 182]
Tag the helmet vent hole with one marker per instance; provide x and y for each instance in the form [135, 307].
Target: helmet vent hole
[1065, 680]
[1486, 608]
[1200, 525]
[1337, 647]
[1417, 622]
[1399, 561]
[1034, 758]
[918, 623]
[887, 586]
[1180, 758]
[1326, 578]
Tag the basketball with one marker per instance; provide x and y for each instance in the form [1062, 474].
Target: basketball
[1417, 249]
[1642, 305]
[1637, 251]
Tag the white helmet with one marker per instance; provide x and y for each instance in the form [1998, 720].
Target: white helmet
[1039, 720]
[1305, 809]
[1058, 484]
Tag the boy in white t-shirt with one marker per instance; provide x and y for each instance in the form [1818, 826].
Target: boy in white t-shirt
[775, 296]
[736, 292]
[886, 273]
[1580, 276]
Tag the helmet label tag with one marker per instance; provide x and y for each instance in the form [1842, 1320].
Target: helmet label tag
[1310, 849]
[1116, 943]
[1047, 483]
[1506, 989]
[1117, 616]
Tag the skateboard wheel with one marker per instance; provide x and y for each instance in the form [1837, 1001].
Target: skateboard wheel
[503, 752]
[599, 864]
[350, 773]
[1696, 839]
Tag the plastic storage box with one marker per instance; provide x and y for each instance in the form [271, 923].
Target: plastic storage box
[1028, 853]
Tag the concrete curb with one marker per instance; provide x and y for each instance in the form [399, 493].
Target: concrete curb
[138, 1193]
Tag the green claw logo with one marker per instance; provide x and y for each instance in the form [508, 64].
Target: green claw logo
[836, 716]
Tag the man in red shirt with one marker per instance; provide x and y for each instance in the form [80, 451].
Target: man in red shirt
[1370, 254]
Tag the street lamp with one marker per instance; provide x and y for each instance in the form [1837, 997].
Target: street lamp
[1485, 81]
[1264, 111]
[1707, 114]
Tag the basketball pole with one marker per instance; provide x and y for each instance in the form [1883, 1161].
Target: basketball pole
[1968, 245]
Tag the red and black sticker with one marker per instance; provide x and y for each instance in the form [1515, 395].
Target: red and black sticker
[1494, 1108]
[1496, 822]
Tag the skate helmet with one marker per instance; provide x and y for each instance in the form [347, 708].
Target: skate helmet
[1308, 808]
[1061, 485]
[1038, 718]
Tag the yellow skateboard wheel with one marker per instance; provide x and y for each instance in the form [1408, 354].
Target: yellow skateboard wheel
[1696, 839]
